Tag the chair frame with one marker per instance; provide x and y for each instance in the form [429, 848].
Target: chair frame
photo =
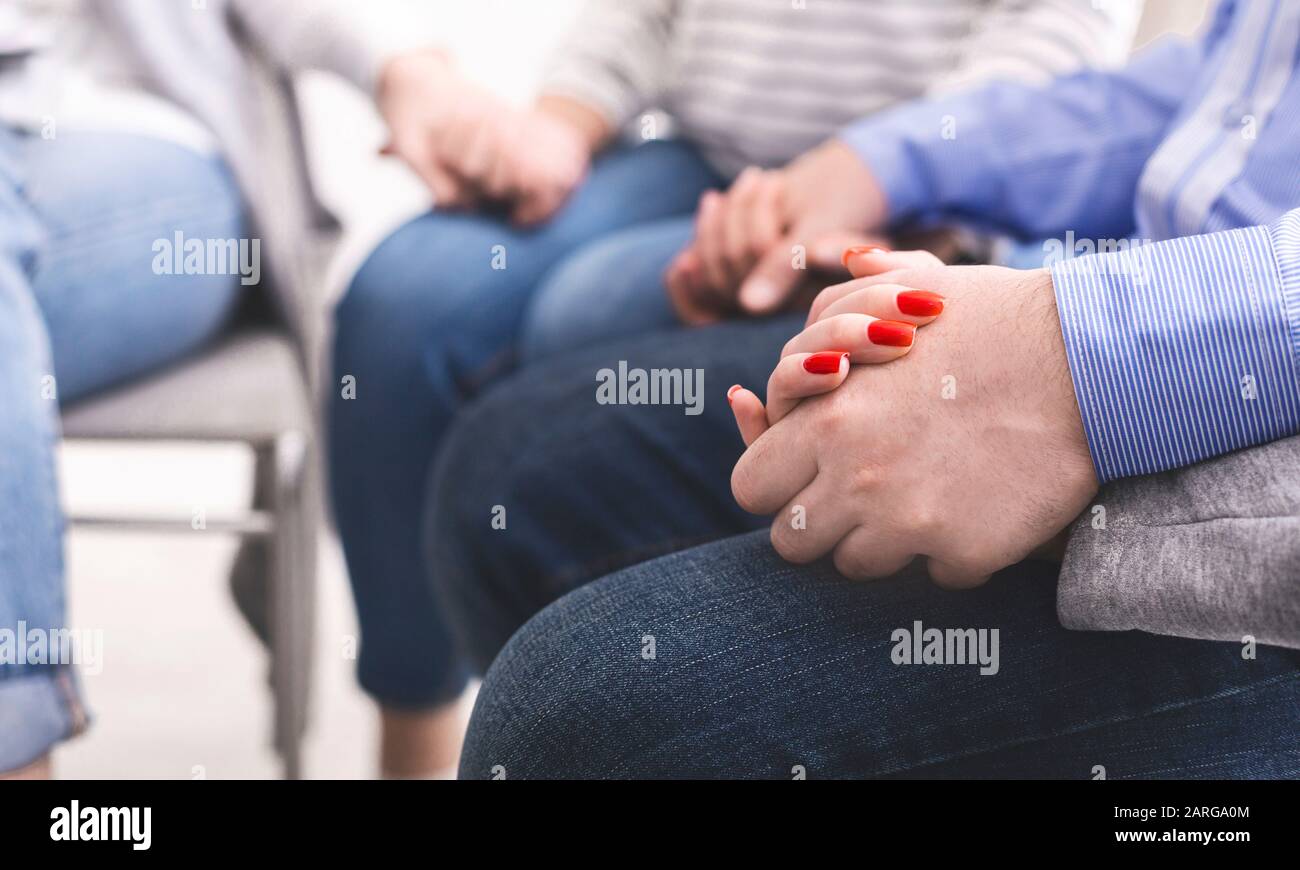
[281, 514]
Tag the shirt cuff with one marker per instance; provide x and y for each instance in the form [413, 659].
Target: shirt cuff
[1182, 350]
[887, 144]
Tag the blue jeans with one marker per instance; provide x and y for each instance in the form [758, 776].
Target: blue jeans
[610, 289]
[723, 660]
[726, 662]
[433, 316]
[81, 309]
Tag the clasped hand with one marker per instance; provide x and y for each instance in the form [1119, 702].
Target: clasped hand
[471, 148]
[968, 451]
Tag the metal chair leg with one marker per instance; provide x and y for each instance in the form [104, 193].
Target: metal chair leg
[287, 464]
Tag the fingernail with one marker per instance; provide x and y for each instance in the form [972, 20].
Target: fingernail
[826, 363]
[920, 303]
[891, 333]
[731, 394]
[859, 250]
[759, 294]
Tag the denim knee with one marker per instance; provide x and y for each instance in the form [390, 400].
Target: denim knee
[609, 289]
[567, 698]
[477, 503]
[418, 316]
[368, 325]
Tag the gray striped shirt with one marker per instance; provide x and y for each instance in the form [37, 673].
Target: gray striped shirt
[761, 81]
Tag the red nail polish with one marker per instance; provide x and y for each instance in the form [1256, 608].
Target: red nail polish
[827, 363]
[731, 394]
[920, 303]
[891, 333]
[862, 249]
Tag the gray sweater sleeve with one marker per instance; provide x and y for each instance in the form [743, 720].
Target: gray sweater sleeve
[614, 56]
[1033, 41]
[1211, 551]
[344, 37]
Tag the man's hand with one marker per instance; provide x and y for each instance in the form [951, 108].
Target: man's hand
[743, 255]
[970, 451]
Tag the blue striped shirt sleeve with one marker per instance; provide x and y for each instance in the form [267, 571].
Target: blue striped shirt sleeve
[1185, 349]
[1031, 161]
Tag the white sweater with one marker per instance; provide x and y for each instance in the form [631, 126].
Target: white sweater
[53, 50]
[761, 81]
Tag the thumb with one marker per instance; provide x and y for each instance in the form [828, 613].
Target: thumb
[772, 281]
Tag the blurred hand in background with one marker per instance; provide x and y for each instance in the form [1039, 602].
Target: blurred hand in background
[474, 149]
[743, 258]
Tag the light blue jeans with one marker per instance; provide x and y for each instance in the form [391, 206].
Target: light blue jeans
[81, 308]
[609, 289]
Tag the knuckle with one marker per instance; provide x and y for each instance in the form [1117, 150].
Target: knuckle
[850, 563]
[958, 572]
[919, 520]
[737, 251]
[792, 544]
[784, 541]
[837, 412]
[846, 331]
[864, 479]
[744, 486]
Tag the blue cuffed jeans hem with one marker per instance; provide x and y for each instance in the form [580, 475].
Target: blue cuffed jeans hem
[395, 692]
[37, 712]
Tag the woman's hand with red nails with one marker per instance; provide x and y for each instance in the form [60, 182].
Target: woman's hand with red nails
[797, 376]
[882, 330]
[971, 454]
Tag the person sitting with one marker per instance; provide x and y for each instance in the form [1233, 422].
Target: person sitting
[1144, 402]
